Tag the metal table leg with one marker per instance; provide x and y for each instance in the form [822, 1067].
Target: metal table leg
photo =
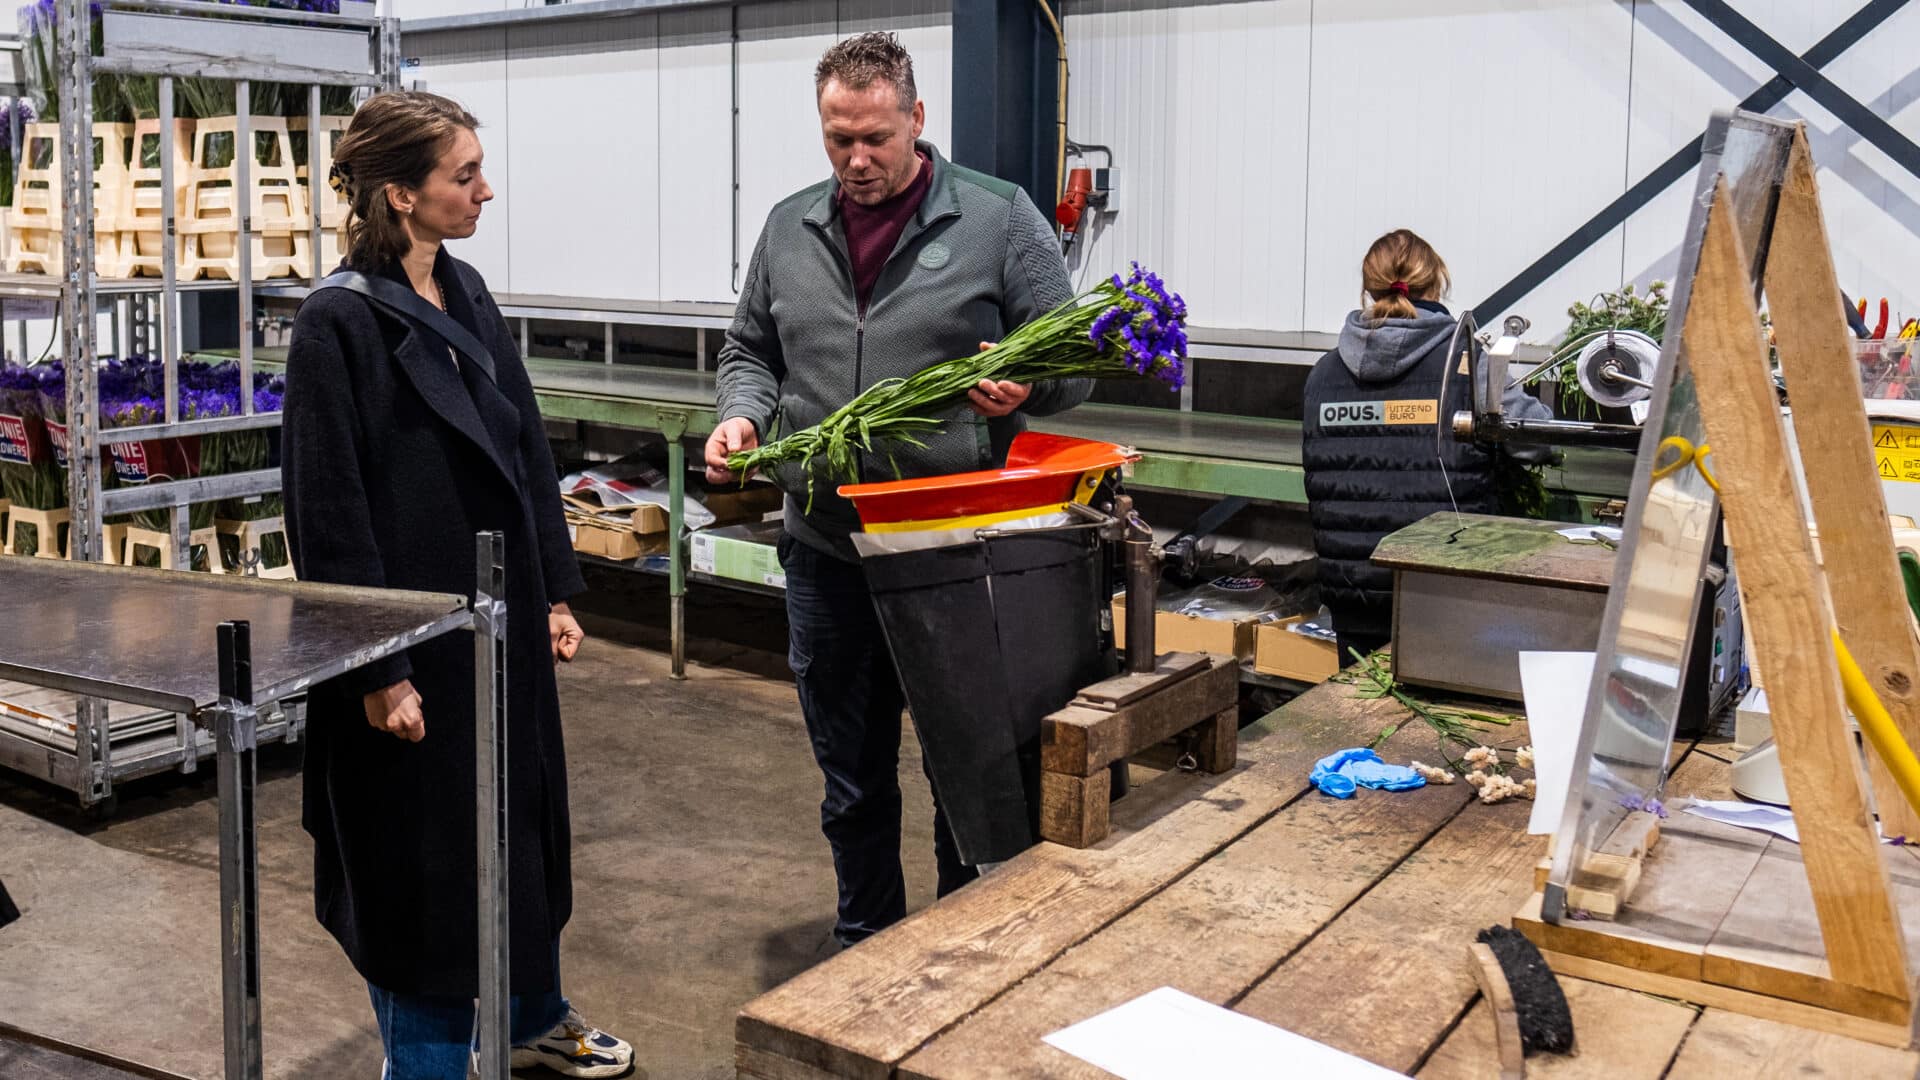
[234, 732]
[490, 802]
[674, 427]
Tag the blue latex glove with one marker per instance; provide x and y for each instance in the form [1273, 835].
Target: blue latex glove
[1340, 774]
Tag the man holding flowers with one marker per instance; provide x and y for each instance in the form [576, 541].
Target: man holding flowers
[900, 261]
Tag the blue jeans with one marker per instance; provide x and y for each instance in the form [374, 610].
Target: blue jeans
[431, 1038]
[851, 697]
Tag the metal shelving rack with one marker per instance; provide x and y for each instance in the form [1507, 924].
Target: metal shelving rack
[166, 39]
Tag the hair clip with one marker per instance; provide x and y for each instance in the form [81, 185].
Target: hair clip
[340, 179]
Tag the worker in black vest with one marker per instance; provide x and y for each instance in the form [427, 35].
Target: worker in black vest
[1377, 446]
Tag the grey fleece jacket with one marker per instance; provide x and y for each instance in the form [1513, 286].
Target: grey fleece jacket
[976, 261]
[1379, 353]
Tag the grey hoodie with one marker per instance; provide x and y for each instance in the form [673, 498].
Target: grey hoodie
[1382, 353]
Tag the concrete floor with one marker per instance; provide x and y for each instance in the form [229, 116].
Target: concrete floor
[700, 876]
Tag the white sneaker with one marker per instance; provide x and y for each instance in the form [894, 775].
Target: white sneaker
[576, 1048]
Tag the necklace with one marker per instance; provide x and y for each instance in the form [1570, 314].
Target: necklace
[439, 294]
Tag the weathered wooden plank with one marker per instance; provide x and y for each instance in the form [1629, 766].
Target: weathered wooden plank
[1863, 576]
[1789, 613]
[1212, 934]
[1130, 686]
[866, 1009]
[1619, 1033]
[1726, 1044]
[1080, 741]
[1772, 1009]
[1349, 986]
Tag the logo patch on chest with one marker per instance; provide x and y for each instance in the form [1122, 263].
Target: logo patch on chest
[1372, 413]
[934, 255]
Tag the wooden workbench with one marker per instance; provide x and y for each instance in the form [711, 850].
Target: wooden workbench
[1345, 921]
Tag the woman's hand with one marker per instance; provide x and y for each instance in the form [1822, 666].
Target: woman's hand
[397, 710]
[564, 632]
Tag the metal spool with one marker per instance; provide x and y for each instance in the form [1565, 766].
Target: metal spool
[1615, 369]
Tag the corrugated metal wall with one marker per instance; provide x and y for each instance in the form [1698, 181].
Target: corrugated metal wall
[1262, 143]
[610, 142]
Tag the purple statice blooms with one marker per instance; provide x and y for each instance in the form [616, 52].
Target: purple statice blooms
[1147, 321]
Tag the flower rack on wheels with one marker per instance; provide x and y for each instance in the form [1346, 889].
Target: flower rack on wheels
[135, 199]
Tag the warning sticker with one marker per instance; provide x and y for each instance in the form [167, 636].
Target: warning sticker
[1896, 452]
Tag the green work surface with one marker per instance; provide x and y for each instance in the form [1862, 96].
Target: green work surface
[1497, 548]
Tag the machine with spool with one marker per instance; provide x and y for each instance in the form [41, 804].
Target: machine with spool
[1615, 369]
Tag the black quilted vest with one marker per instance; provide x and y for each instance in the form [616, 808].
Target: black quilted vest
[1372, 467]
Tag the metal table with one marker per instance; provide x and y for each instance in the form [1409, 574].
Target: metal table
[141, 636]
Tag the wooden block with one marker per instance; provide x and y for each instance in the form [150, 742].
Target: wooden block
[1073, 809]
[1778, 1010]
[1080, 741]
[1496, 1001]
[1349, 987]
[1724, 1044]
[1862, 572]
[1789, 613]
[1212, 934]
[1620, 1033]
[1770, 943]
[865, 1010]
[1128, 687]
[1219, 741]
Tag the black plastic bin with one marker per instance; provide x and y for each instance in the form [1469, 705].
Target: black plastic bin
[989, 637]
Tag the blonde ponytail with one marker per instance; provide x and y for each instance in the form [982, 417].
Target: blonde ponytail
[1399, 267]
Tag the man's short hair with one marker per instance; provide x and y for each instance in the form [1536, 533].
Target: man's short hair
[864, 59]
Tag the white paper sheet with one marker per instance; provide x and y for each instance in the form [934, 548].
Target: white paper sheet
[1777, 820]
[1169, 1035]
[1555, 687]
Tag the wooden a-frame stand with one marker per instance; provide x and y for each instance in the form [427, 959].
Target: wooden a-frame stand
[1808, 934]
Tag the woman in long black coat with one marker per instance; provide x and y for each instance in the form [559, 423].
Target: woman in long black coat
[396, 453]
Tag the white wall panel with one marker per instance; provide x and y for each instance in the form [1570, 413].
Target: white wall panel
[583, 105]
[432, 9]
[695, 256]
[1492, 129]
[780, 148]
[1205, 109]
[470, 66]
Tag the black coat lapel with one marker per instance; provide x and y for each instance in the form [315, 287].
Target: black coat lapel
[430, 367]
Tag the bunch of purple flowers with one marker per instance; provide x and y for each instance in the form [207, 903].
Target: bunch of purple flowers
[1148, 322]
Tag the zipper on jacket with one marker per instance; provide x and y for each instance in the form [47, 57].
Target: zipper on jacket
[859, 355]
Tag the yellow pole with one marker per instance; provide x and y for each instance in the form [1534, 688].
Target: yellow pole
[1878, 726]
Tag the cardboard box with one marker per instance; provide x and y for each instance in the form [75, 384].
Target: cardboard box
[1173, 632]
[1277, 650]
[746, 552]
[733, 506]
[621, 534]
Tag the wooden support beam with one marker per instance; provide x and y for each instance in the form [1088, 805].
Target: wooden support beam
[1863, 574]
[1789, 613]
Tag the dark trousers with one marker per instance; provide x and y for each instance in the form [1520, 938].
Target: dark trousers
[851, 697]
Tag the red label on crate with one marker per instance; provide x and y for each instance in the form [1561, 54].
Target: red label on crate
[15, 446]
[130, 462]
[57, 435]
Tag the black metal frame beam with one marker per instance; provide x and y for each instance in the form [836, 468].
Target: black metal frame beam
[1792, 72]
[1006, 92]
